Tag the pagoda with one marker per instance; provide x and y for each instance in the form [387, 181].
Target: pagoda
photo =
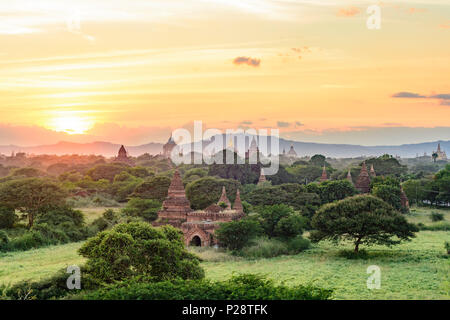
[238, 203]
[349, 177]
[122, 157]
[324, 176]
[224, 199]
[372, 171]
[176, 206]
[363, 181]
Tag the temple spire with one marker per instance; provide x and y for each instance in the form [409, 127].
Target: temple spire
[237, 203]
[262, 177]
[349, 176]
[224, 198]
[372, 171]
[363, 182]
[324, 176]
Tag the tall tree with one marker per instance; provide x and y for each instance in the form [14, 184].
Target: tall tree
[31, 196]
[363, 219]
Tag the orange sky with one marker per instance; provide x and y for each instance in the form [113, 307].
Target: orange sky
[73, 66]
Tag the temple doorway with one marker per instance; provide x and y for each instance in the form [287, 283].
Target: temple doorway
[196, 241]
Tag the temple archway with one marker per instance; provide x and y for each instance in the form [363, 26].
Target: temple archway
[195, 241]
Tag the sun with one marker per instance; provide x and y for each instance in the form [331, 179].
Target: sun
[71, 124]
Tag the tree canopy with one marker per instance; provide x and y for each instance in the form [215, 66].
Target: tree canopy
[363, 219]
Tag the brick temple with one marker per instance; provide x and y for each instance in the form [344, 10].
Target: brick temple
[197, 226]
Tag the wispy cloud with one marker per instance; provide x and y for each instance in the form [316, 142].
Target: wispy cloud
[248, 61]
[348, 12]
[443, 97]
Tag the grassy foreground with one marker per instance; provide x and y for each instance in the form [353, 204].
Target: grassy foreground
[414, 270]
[419, 269]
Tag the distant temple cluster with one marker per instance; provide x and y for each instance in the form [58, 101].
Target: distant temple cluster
[198, 226]
[122, 157]
[441, 155]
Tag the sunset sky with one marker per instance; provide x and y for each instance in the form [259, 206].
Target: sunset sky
[132, 71]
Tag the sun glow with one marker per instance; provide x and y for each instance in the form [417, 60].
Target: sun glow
[71, 124]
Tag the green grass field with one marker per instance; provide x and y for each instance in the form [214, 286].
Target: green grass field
[419, 269]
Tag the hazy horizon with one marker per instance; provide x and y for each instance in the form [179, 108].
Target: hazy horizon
[131, 72]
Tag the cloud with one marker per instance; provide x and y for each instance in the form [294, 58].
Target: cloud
[298, 124]
[348, 12]
[246, 122]
[248, 61]
[407, 95]
[283, 124]
[444, 97]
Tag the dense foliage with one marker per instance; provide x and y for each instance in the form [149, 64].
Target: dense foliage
[137, 248]
[240, 287]
[363, 219]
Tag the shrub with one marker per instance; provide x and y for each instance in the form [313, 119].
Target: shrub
[3, 239]
[236, 234]
[137, 248]
[241, 287]
[290, 226]
[7, 217]
[298, 244]
[49, 288]
[144, 208]
[436, 216]
[447, 247]
[269, 248]
[265, 248]
[438, 226]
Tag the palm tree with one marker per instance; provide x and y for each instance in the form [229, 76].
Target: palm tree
[434, 156]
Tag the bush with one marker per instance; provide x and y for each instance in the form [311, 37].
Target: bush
[438, 226]
[436, 216]
[55, 226]
[137, 248]
[3, 239]
[298, 244]
[265, 248]
[269, 248]
[144, 208]
[7, 217]
[236, 234]
[241, 287]
[51, 288]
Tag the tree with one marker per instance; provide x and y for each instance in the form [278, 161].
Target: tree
[434, 155]
[291, 194]
[7, 217]
[364, 219]
[206, 191]
[107, 171]
[291, 226]
[138, 249]
[271, 215]
[442, 181]
[31, 196]
[389, 194]
[235, 235]
[144, 208]
[387, 165]
[318, 160]
[330, 191]
[155, 188]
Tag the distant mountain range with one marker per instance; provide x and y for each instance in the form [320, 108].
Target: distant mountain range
[108, 149]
